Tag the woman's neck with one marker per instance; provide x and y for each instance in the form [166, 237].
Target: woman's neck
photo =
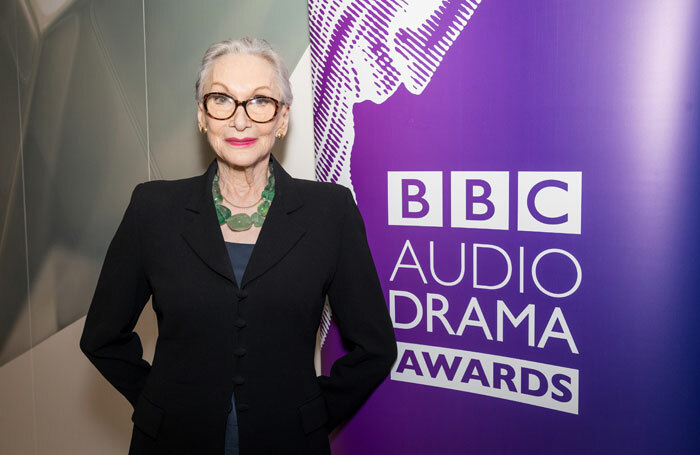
[243, 185]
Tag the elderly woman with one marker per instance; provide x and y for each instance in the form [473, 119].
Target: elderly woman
[239, 261]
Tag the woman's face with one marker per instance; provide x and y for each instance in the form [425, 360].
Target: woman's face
[242, 76]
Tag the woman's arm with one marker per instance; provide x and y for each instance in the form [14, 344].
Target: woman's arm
[108, 339]
[356, 298]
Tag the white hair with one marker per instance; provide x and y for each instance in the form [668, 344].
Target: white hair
[252, 46]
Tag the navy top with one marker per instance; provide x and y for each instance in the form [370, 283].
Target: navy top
[239, 253]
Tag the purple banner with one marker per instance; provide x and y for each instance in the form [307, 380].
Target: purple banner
[527, 173]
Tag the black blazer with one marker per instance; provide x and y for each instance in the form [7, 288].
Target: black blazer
[257, 339]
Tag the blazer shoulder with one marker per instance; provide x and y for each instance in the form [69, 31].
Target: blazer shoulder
[161, 191]
[323, 192]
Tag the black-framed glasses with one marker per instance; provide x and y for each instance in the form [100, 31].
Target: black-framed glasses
[221, 106]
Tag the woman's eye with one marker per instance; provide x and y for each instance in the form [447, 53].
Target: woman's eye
[221, 100]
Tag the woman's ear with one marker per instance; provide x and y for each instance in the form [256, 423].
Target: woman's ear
[284, 120]
[201, 116]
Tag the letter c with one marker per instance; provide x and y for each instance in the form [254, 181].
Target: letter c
[531, 202]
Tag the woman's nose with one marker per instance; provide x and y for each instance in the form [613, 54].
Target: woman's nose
[240, 120]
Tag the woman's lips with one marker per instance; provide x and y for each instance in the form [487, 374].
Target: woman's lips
[244, 142]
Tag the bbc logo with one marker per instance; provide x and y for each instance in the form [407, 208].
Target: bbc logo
[546, 201]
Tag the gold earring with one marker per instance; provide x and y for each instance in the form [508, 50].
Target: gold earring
[203, 129]
[279, 135]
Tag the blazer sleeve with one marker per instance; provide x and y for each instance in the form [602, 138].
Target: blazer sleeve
[108, 339]
[357, 301]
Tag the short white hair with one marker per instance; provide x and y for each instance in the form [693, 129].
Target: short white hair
[252, 46]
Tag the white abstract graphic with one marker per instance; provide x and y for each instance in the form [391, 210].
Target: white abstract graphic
[364, 50]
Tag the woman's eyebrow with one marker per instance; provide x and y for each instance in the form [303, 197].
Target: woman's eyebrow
[219, 83]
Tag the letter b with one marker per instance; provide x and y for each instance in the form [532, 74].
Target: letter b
[418, 197]
[414, 198]
[479, 199]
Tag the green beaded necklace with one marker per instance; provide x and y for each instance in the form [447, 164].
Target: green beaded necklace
[243, 221]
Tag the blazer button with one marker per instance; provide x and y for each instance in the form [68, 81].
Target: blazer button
[240, 352]
[241, 294]
[240, 323]
[238, 380]
[242, 407]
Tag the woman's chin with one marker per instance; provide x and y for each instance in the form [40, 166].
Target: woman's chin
[242, 156]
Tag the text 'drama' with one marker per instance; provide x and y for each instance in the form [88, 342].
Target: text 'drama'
[533, 383]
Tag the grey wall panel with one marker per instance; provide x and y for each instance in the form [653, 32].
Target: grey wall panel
[84, 151]
[14, 314]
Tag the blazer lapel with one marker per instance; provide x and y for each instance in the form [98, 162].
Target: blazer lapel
[279, 232]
